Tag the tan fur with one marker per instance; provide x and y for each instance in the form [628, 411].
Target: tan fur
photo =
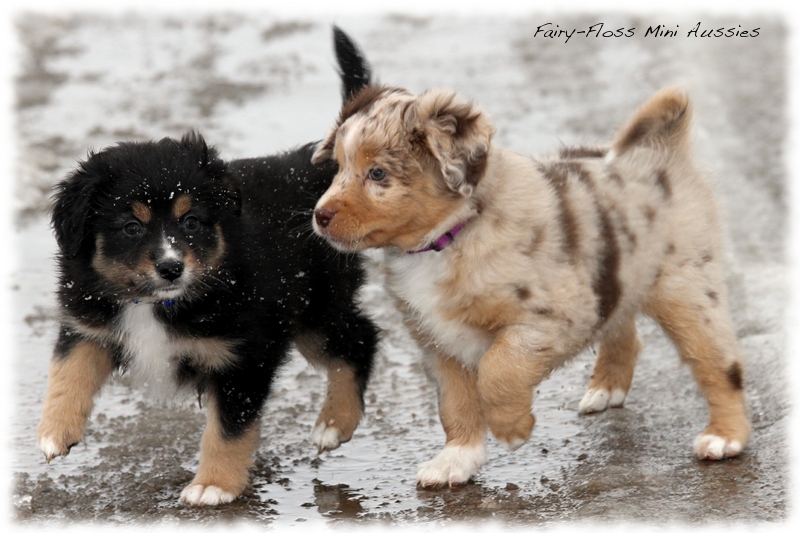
[459, 402]
[659, 122]
[224, 461]
[555, 254]
[142, 212]
[709, 346]
[124, 276]
[342, 408]
[74, 380]
[359, 226]
[195, 266]
[182, 205]
[127, 276]
[506, 377]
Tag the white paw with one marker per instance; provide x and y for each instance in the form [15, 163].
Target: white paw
[596, 400]
[715, 448]
[455, 465]
[205, 495]
[49, 448]
[514, 445]
[326, 437]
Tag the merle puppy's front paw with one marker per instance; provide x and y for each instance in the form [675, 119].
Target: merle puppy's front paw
[196, 494]
[513, 431]
[454, 466]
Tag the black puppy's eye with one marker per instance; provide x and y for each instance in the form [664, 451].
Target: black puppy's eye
[191, 223]
[132, 229]
[377, 174]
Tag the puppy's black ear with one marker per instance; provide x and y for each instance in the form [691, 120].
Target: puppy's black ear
[228, 195]
[207, 156]
[73, 209]
[456, 132]
[354, 70]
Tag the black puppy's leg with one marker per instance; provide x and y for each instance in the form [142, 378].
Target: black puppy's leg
[77, 372]
[224, 460]
[343, 406]
[234, 401]
[345, 347]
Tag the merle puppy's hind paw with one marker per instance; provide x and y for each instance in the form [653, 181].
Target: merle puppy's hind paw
[454, 466]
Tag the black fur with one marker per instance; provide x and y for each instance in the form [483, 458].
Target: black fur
[274, 281]
[264, 277]
[353, 68]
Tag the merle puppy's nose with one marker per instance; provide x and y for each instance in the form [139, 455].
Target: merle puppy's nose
[323, 216]
[170, 270]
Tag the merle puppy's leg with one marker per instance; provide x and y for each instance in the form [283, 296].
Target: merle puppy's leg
[518, 360]
[613, 370]
[77, 372]
[464, 451]
[343, 342]
[692, 310]
[234, 401]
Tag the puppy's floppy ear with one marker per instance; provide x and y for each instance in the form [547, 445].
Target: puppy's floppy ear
[324, 150]
[73, 209]
[456, 132]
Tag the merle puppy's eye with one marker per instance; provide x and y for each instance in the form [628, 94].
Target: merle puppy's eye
[132, 229]
[191, 223]
[377, 174]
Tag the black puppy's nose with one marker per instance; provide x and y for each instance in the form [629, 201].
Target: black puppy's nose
[170, 270]
[323, 216]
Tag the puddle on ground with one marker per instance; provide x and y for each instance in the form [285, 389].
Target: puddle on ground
[630, 464]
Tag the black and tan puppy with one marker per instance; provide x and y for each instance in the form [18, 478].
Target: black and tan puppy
[188, 272]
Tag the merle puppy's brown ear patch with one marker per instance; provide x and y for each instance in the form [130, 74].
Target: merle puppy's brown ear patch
[456, 132]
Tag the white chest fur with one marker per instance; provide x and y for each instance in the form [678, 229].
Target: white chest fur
[416, 280]
[152, 358]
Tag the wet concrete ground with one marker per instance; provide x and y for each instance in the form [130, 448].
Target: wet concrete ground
[253, 84]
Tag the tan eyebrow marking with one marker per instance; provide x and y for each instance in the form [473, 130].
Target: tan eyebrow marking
[141, 211]
[181, 206]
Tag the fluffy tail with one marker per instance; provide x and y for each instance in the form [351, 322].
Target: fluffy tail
[661, 123]
[353, 67]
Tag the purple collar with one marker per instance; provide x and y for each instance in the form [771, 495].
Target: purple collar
[439, 244]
